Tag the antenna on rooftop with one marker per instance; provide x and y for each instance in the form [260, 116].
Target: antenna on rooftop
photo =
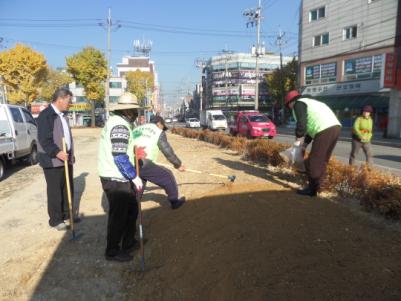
[143, 47]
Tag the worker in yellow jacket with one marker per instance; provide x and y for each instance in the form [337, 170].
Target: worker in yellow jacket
[362, 132]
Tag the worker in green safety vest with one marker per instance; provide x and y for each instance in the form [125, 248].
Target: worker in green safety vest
[316, 122]
[116, 168]
[362, 132]
[152, 138]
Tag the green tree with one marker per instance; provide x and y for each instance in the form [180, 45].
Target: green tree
[137, 82]
[279, 82]
[22, 70]
[54, 80]
[89, 68]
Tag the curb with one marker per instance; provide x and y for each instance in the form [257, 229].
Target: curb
[390, 143]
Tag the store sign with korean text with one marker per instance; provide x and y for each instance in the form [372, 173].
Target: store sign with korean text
[366, 86]
[74, 107]
[38, 107]
[223, 91]
[389, 72]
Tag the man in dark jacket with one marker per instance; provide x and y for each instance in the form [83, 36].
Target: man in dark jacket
[52, 128]
[152, 136]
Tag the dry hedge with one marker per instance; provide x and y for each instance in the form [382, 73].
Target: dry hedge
[374, 189]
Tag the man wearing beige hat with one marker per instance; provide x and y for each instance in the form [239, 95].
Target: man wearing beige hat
[116, 167]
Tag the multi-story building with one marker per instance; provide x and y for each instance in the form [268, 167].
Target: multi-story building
[144, 64]
[230, 81]
[80, 108]
[346, 48]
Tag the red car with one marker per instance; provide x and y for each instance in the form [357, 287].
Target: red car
[252, 124]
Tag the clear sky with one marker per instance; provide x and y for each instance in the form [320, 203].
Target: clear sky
[181, 31]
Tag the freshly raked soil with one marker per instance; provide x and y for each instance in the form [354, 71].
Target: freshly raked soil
[254, 239]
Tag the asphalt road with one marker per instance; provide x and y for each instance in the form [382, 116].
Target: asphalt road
[386, 158]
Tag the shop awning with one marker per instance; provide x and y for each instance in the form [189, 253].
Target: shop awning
[355, 101]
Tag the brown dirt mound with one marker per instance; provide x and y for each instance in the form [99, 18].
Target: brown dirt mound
[260, 242]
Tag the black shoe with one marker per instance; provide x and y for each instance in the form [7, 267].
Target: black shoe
[307, 191]
[121, 256]
[177, 203]
[135, 246]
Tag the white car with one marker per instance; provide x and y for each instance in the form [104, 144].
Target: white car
[167, 120]
[192, 123]
[175, 119]
[18, 136]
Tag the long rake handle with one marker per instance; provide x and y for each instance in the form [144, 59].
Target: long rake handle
[67, 180]
[197, 171]
[142, 250]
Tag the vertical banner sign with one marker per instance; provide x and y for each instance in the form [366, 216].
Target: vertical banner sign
[397, 64]
[389, 70]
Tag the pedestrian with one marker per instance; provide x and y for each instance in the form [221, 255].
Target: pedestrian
[316, 122]
[152, 136]
[116, 167]
[52, 128]
[362, 135]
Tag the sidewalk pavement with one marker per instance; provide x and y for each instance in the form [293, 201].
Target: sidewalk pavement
[346, 136]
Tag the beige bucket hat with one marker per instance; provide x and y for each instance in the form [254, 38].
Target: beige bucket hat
[126, 101]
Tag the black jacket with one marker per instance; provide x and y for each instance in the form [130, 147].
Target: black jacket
[167, 150]
[50, 135]
[301, 112]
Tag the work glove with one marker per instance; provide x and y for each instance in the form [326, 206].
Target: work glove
[297, 143]
[138, 183]
[140, 152]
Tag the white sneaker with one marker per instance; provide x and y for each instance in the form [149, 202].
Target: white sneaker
[61, 227]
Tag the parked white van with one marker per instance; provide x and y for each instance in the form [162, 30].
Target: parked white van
[18, 136]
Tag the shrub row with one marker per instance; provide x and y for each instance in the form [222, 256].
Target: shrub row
[374, 189]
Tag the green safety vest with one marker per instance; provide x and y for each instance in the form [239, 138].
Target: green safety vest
[106, 166]
[319, 117]
[147, 136]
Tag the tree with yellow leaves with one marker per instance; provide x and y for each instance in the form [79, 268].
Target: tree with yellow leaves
[22, 70]
[54, 80]
[137, 83]
[89, 68]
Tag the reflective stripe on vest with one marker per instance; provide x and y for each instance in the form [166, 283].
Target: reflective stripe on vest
[147, 136]
[106, 166]
[319, 116]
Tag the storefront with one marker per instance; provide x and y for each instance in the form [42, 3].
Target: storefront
[79, 114]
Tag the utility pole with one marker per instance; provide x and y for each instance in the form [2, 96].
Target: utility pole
[254, 17]
[201, 64]
[109, 26]
[280, 43]
[107, 100]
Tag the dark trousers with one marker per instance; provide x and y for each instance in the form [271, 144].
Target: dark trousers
[322, 147]
[356, 146]
[57, 199]
[123, 211]
[160, 176]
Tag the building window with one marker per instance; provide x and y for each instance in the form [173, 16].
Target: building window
[115, 85]
[113, 99]
[350, 32]
[317, 14]
[80, 99]
[368, 67]
[322, 73]
[320, 40]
